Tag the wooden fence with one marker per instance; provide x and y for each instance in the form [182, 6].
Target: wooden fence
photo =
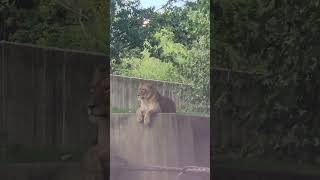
[226, 130]
[43, 95]
[124, 91]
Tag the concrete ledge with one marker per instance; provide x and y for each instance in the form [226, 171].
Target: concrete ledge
[170, 141]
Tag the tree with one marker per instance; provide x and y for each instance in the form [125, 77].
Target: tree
[276, 38]
[182, 51]
[127, 30]
[59, 23]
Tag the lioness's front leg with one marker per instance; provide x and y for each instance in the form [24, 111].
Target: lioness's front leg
[139, 114]
[149, 113]
[92, 162]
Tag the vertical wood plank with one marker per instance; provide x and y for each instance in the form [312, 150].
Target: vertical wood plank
[39, 103]
[19, 97]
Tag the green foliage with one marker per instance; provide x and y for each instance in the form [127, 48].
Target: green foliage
[167, 49]
[164, 49]
[239, 37]
[147, 67]
[65, 24]
[196, 67]
[123, 110]
[127, 32]
[196, 70]
[277, 38]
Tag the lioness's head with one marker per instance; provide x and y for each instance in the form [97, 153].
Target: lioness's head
[146, 90]
[98, 104]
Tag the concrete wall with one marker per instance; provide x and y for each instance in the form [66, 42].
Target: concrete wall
[226, 130]
[172, 140]
[43, 95]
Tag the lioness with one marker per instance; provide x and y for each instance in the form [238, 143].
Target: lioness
[98, 112]
[151, 101]
[98, 105]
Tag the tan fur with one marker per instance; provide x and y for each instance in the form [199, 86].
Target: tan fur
[151, 102]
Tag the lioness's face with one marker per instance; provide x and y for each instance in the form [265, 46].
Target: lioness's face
[98, 108]
[145, 90]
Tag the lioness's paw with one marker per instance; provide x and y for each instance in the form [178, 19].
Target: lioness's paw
[139, 117]
[147, 120]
